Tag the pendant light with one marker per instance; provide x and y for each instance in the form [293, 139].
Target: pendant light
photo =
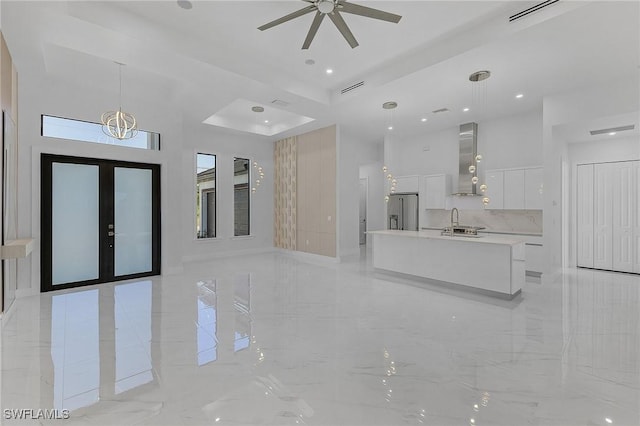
[119, 124]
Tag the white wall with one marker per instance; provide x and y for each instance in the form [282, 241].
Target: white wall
[507, 142]
[352, 153]
[179, 141]
[376, 218]
[579, 106]
[198, 137]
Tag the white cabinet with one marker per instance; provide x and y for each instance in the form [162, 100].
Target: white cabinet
[608, 216]
[584, 212]
[495, 189]
[533, 188]
[534, 257]
[407, 184]
[435, 189]
[514, 189]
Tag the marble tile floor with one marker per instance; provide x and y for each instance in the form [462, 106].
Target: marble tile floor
[270, 340]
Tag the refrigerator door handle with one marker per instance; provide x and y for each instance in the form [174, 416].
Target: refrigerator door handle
[402, 213]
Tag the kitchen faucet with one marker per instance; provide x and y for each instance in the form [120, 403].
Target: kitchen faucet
[457, 222]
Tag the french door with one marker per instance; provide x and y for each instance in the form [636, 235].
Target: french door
[100, 221]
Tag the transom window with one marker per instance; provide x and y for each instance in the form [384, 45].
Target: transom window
[85, 131]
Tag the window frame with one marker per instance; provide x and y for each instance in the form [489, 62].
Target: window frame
[249, 211]
[199, 198]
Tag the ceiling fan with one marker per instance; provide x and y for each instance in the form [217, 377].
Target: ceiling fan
[333, 8]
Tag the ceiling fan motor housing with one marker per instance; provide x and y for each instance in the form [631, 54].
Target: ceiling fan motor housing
[326, 6]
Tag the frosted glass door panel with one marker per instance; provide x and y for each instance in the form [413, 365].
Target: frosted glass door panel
[74, 215]
[133, 220]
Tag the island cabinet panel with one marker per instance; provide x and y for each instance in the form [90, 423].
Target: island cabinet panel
[491, 263]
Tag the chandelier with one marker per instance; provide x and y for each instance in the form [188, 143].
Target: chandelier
[119, 124]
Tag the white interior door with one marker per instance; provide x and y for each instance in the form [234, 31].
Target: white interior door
[584, 215]
[603, 217]
[623, 216]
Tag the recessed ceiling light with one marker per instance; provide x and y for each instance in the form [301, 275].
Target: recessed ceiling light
[519, 96]
[266, 121]
[329, 71]
[310, 62]
[612, 133]
[257, 109]
[423, 120]
[390, 127]
[390, 105]
[608, 420]
[185, 4]
[465, 109]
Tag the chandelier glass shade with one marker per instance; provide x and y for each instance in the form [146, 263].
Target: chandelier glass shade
[119, 124]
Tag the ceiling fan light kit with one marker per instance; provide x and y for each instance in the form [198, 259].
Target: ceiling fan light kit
[333, 8]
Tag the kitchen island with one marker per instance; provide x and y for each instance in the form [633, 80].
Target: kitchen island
[495, 264]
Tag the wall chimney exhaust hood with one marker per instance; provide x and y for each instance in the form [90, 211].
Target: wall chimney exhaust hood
[468, 150]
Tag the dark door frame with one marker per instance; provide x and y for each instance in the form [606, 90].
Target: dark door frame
[106, 217]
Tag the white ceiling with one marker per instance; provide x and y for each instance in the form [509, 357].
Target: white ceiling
[210, 57]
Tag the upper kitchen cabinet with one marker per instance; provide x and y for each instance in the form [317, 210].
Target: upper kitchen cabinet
[434, 191]
[495, 189]
[515, 189]
[407, 184]
[533, 188]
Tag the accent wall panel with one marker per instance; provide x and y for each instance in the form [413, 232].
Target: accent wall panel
[316, 172]
[285, 193]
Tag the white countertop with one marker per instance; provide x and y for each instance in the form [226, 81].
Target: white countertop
[489, 231]
[433, 234]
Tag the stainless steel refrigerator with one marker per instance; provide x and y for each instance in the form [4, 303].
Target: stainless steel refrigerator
[402, 212]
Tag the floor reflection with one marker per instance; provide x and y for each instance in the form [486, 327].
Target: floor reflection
[242, 307]
[75, 349]
[100, 343]
[206, 326]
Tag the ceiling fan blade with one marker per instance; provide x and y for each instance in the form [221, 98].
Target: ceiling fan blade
[369, 12]
[343, 28]
[313, 30]
[288, 17]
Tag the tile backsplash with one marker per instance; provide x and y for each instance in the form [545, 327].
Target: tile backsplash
[525, 221]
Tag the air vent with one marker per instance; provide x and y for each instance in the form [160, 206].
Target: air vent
[532, 9]
[612, 130]
[352, 87]
[280, 103]
[438, 111]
